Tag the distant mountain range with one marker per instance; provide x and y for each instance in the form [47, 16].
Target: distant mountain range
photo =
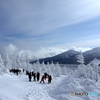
[69, 57]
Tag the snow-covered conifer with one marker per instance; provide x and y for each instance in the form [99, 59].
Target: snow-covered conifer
[2, 67]
[95, 64]
[48, 68]
[38, 66]
[7, 61]
[52, 68]
[34, 67]
[43, 67]
[57, 70]
[63, 70]
[80, 58]
[81, 72]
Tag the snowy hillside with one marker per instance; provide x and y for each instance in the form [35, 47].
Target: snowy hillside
[81, 83]
[69, 57]
[92, 54]
[14, 87]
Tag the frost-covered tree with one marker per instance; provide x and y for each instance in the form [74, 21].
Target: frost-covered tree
[34, 67]
[94, 71]
[7, 61]
[18, 63]
[23, 63]
[43, 66]
[2, 67]
[52, 67]
[11, 51]
[48, 68]
[80, 58]
[57, 70]
[29, 68]
[38, 67]
[90, 70]
[81, 72]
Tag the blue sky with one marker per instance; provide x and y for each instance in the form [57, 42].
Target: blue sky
[32, 24]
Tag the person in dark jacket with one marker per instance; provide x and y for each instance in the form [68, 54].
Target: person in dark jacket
[34, 75]
[23, 70]
[49, 79]
[29, 76]
[45, 75]
[38, 76]
[27, 72]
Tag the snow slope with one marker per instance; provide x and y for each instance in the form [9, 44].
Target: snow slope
[14, 87]
[68, 85]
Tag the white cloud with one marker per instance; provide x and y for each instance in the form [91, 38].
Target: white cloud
[10, 49]
[81, 49]
[42, 53]
[52, 51]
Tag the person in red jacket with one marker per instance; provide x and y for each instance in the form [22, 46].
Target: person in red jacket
[42, 79]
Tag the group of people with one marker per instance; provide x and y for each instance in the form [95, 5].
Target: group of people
[33, 75]
[15, 71]
[46, 76]
[36, 77]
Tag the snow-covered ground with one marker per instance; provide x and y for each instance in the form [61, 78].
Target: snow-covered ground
[13, 87]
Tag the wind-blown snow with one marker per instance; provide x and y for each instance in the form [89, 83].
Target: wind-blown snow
[14, 87]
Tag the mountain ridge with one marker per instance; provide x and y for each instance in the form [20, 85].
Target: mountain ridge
[69, 57]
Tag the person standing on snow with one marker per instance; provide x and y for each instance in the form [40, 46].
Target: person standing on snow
[29, 76]
[45, 75]
[49, 79]
[23, 70]
[38, 76]
[42, 79]
[34, 75]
